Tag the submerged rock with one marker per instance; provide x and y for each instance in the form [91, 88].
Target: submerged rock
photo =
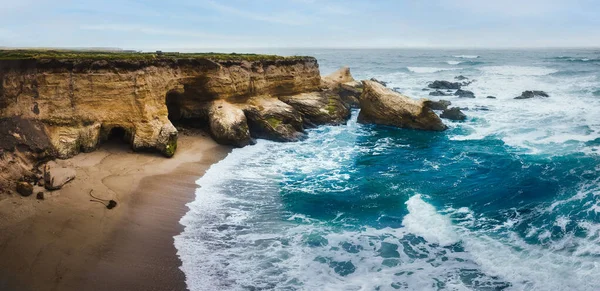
[464, 93]
[453, 113]
[380, 105]
[461, 78]
[55, 176]
[445, 85]
[384, 84]
[24, 188]
[438, 93]
[491, 97]
[530, 94]
[439, 105]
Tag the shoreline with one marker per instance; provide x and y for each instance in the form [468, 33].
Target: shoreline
[66, 242]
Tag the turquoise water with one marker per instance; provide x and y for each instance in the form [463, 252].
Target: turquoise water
[507, 200]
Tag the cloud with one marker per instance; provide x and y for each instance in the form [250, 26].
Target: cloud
[155, 31]
[509, 8]
[288, 18]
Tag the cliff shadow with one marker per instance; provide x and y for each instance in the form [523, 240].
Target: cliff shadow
[186, 112]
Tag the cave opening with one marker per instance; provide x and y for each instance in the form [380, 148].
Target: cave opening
[181, 118]
[117, 134]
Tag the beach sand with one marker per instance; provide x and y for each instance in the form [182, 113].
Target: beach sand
[66, 242]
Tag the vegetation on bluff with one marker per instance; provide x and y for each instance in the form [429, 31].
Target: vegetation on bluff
[24, 54]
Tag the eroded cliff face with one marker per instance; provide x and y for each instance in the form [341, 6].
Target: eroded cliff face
[79, 103]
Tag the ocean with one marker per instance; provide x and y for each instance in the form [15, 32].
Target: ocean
[507, 200]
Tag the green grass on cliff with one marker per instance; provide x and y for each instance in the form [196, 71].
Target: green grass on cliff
[24, 54]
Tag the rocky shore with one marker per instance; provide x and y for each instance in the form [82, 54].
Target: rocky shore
[52, 109]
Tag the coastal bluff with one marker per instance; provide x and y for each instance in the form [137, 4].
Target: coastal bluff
[57, 104]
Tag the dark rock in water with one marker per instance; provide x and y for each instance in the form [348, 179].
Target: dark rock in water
[491, 97]
[437, 84]
[467, 83]
[40, 196]
[453, 113]
[530, 94]
[439, 105]
[426, 89]
[461, 77]
[24, 188]
[481, 108]
[438, 93]
[464, 93]
[380, 82]
[397, 90]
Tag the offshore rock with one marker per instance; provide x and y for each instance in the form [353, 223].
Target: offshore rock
[445, 85]
[453, 113]
[380, 105]
[530, 94]
[464, 93]
[439, 105]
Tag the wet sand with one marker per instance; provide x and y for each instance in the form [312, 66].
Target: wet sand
[66, 242]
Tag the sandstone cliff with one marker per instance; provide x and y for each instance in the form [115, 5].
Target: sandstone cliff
[58, 107]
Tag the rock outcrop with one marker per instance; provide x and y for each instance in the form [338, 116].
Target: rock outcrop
[446, 85]
[344, 85]
[318, 108]
[380, 105]
[439, 105]
[228, 124]
[464, 93]
[453, 113]
[530, 94]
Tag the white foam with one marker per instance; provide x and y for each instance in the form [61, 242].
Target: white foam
[453, 62]
[518, 70]
[467, 56]
[428, 70]
[423, 220]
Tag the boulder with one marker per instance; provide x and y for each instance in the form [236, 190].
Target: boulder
[438, 93]
[444, 85]
[39, 196]
[319, 107]
[453, 113]
[271, 118]
[530, 94]
[380, 105]
[228, 124]
[24, 188]
[55, 176]
[439, 105]
[464, 93]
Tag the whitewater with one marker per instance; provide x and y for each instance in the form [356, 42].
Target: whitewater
[507, 200]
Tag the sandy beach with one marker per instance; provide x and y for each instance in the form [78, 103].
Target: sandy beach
[67, 242]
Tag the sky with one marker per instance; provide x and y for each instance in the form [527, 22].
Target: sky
[190, 24]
